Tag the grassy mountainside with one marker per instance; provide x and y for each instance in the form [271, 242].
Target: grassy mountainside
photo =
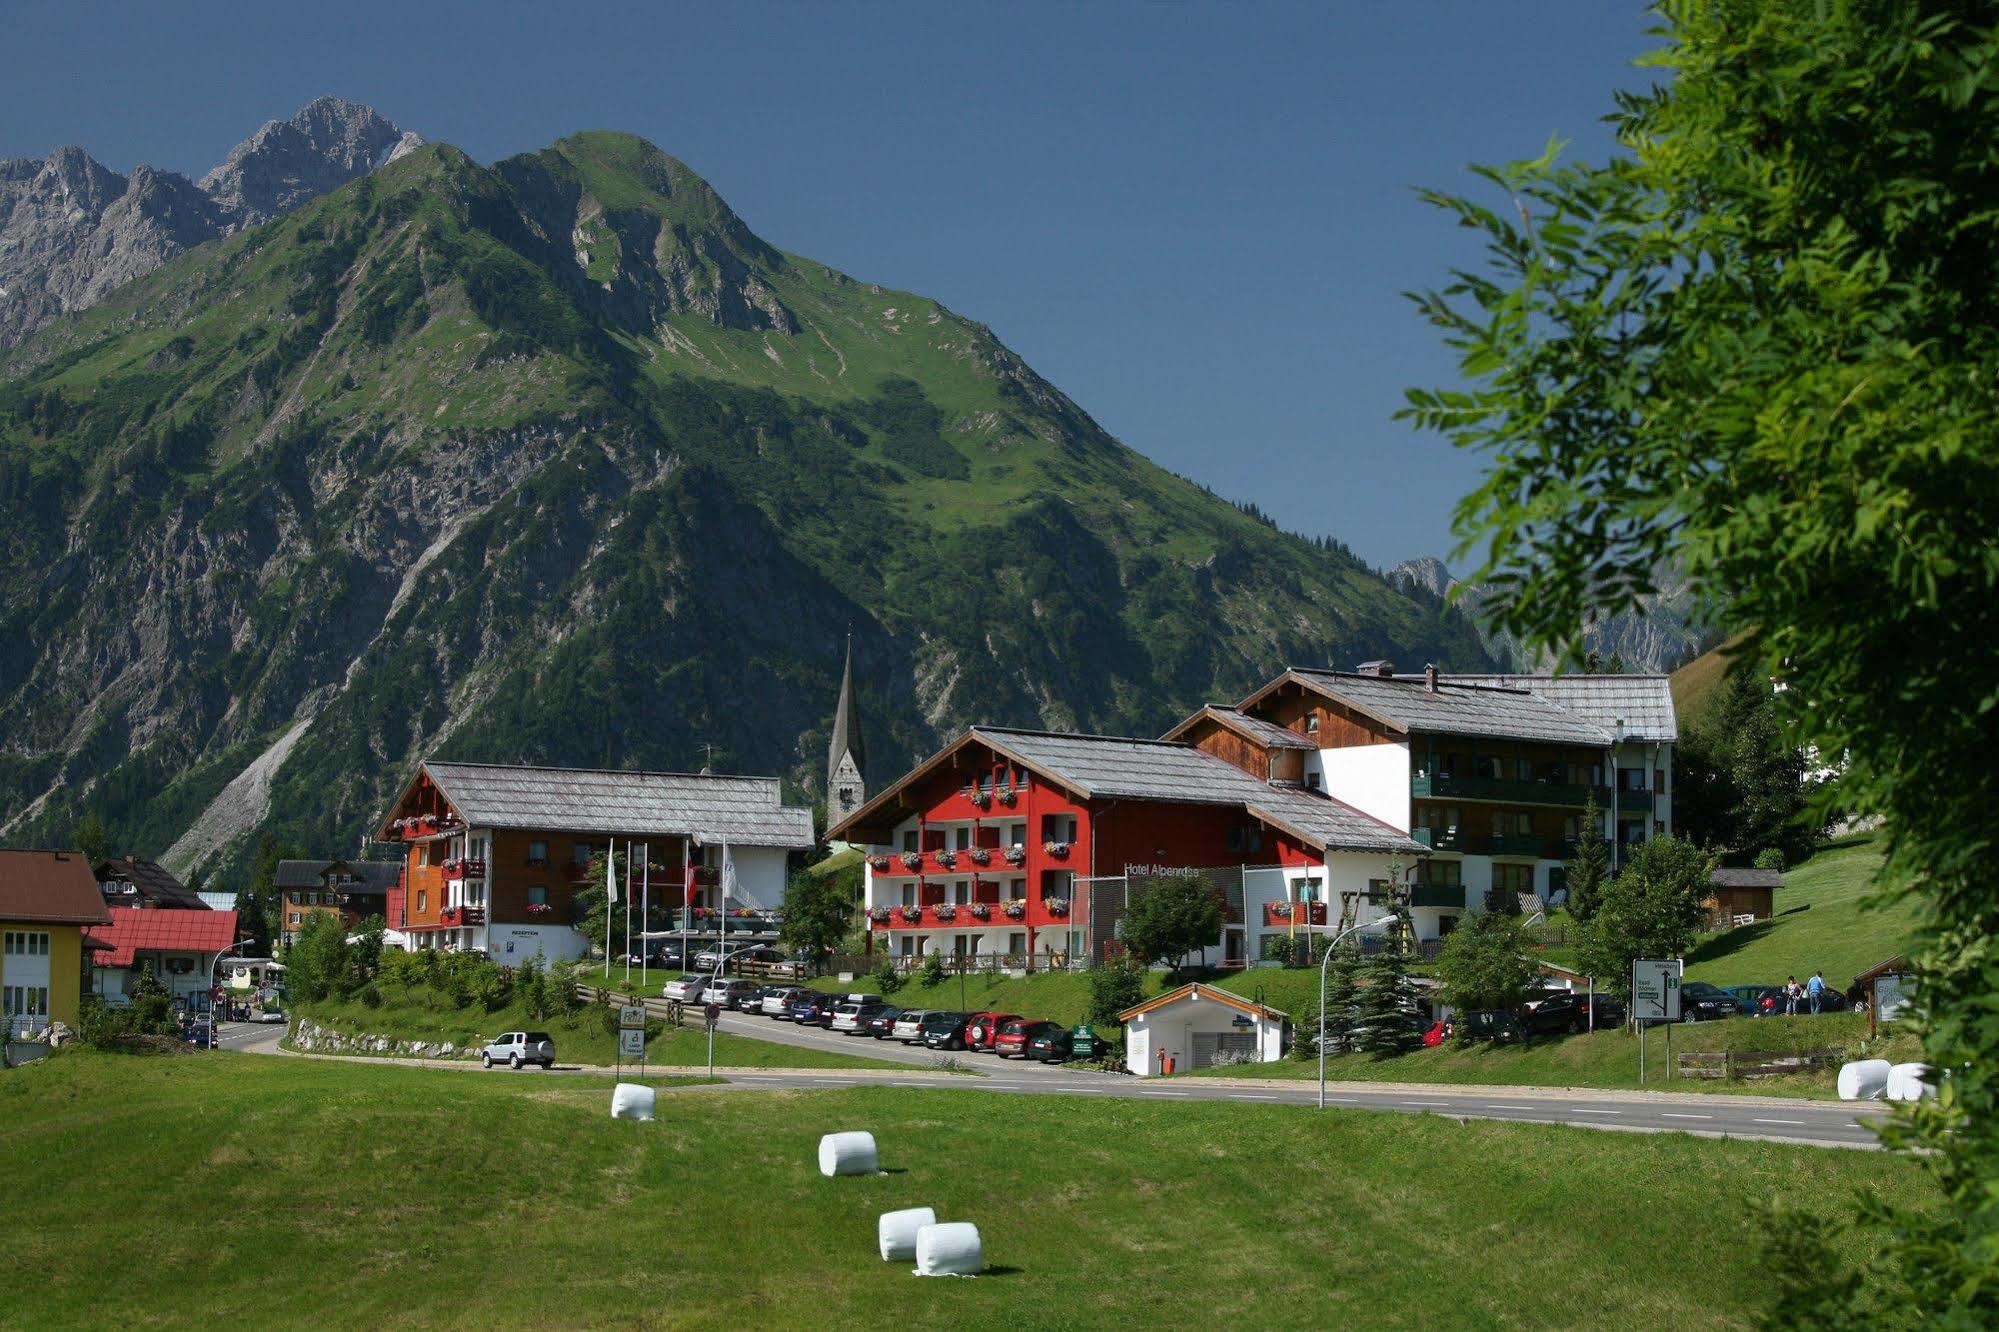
[557, 461]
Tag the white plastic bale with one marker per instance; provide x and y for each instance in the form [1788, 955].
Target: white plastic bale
[1905, 1082]
[897, 1231]
[949, 1249]
[847, 1154]
[629, 1100]
[1863, 1080]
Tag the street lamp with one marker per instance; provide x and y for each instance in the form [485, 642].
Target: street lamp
[1332, 944]
[215, 977]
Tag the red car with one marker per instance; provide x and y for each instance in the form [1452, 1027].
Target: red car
[1438, 1033]
[982, 1032]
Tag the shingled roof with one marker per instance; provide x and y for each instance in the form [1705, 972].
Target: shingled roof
[1268, 734]
[150, 882]
[1122, 768]
[48, 887]
[1454, 707]
[1644, 703]
[375, 875]
[707, 807]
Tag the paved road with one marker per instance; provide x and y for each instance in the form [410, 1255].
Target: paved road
[1777, 1119]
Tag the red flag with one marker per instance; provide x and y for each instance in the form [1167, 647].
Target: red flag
[693, 893]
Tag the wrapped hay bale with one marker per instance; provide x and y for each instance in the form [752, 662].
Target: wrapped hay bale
[847, 1154]
[1863, 1080]
[897, 1231]
[1905, 1083]
[950, 1249]
[629, 1100]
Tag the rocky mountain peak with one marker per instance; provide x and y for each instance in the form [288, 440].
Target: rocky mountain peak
[326, 144]
[78, 181]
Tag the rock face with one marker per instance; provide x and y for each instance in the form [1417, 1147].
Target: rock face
[1666, 633]
[556, 461]
[314, 1038]
[72, 230]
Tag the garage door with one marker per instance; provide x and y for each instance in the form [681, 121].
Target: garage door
[24, 980]
[1209, 1044]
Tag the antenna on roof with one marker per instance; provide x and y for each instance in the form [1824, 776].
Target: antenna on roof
[708, 767]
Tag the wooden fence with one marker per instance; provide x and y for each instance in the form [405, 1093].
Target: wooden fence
[1748, 1065]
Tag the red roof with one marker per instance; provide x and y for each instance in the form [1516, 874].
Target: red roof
[150, 930]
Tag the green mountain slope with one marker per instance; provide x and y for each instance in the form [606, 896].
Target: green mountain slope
[557, 461]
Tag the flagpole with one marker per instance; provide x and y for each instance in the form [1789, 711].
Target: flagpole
[645, 901]
[610, 896]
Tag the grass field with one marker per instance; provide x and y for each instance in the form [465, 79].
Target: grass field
[421, 1015]
[1823, 920]
[1610, 1058]
[287, 1192]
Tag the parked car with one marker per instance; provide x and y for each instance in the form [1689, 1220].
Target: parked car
[200, 1033]
[669, 956]
[516, 1048]
[1014, 1036]
[909, 1025]
[734, 955]
[1487, 1024]
[1439, 1032]
[729, 991]
[883, 1022]
[1609, 1012]
[943, 1030]
[776, 1001]
[1758, 1000]
[1050, 1042]
[1701, 1002]
[270, 1015]
[852, 1016]
[984, 1028]
[1560, 1013]
[685, 989]
[810, 1008]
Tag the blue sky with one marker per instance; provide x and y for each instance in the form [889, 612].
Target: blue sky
[1196, 220]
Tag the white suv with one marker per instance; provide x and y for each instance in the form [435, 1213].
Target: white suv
[515, 1048]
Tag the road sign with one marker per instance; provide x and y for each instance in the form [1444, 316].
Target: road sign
[632, 1017]
[1242, 1021]
[711, 1014]
[1655, 989]
[632, 1043]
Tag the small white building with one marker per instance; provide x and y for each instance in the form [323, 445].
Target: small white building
[1199, 1026]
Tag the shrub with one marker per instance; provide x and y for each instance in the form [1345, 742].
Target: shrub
[1113, 989]
[1770, 858]
[1283, 950]
[933, 969]
[371, 995]
[887, 978]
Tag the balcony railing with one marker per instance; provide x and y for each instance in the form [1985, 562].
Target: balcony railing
[423, 825]
[958, 915]
[972, 860]
[464, 868]
[1436, 895]
[1441, 839]
[1449, 786]
[1631, 801]
[462, 915]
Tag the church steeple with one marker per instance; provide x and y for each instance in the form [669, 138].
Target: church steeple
[846, 757]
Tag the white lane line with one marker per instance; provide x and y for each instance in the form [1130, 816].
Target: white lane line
[1168, 1093]
[1348, 1100]
[1596, 1112]
[1246, 1096]
[1493, 1105]
[1794, 1122]
[1423, 1102]
[1668, 1114]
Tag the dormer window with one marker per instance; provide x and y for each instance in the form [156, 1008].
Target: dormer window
[1312, 781]
[1311, 723]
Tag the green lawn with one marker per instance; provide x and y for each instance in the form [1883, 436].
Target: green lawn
[1823, 921]
[421, 1014]
[182, 1191]
[1610, 1058]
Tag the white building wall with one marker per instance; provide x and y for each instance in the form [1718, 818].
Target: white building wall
[1372, 778]
[511, 945]
[760, 876]
[1170, 1031]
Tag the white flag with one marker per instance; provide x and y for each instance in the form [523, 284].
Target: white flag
[729, 886]
[610, 872]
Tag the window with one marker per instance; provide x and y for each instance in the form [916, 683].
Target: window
[1312, 780]
[422, 902]
[1513, 878]
[1058, 827]
[1235, 839]
[962, 839]
[1311, 723]
[538, 853]
[1311, 890]
[1523, 769]
[27, 943]
[909, 894]
[909, 840]
[1017, 888]
[579, 853]
[1523, 823]
[1441, 873]
[1016, 944]
[1016, 834]
[846, 795]
[537, 896]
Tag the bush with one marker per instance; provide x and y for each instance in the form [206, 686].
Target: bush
[1283, 950]
[933, 969]
[887, 978]
[1770, 858]
[371, 995]
[1113, 989]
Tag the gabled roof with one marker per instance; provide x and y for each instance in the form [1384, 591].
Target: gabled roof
[1644, 703]
[709, 808]
[134, 930]
[1106, 767]
[1730, 876]
[1268, 734]
[1407, 704]
[376, 875]
[152, 882]
[1203, 993]
[49, 888]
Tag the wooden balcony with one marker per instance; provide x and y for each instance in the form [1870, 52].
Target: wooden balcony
[1505, 790]
[1279, 914]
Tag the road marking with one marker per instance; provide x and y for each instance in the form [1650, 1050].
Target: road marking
[1425, 1103]
[1349, 1100]
[1668, 1114]
[1596, 1112]
[1795, 1122]
[1495, 1106]
[1246, 1096]
[1168, 1093]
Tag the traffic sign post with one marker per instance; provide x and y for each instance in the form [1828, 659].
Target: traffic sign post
[1655, 997]
[632, 1036]
[710, 1015]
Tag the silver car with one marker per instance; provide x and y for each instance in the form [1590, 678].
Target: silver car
[909, 1027]
[686, 989]
[729, 993]
[774, 1002]
[516, 1048]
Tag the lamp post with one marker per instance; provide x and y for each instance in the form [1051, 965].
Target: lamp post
[215, 976]
[1332, 944]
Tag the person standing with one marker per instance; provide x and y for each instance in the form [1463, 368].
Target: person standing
[1815, 990]
[1791, 993]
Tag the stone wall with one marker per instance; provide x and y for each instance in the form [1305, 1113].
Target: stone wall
[312, 1038]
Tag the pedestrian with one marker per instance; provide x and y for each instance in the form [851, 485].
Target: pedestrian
[1791, 992]
[1815, 990]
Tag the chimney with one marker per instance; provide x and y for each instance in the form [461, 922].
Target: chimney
[1384, 669]
[1430, 677]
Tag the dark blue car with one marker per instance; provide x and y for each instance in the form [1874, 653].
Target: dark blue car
[811, 1008]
